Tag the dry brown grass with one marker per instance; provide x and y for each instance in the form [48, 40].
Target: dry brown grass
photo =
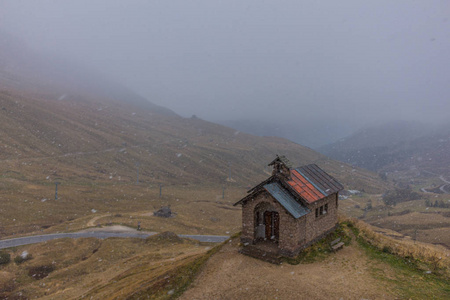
[92, 146]
[411, 219]
[199, 209]
[98, 269]
[436, 257]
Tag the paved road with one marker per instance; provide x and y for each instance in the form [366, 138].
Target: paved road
[100, 235]
[206, 238]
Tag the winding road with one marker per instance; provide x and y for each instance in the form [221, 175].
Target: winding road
[445, 188]
[100, 234]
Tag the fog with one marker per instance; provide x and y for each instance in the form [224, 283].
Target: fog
[324, 67]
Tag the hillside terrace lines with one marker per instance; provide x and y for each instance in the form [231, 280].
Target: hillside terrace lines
[118, 149]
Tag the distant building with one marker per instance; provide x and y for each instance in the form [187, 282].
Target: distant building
[164, 212]
[289, 211]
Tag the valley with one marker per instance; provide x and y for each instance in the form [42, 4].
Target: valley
[116, 158]
[117, 163]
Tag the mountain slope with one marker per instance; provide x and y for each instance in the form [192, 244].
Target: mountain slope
[309, 132]
[111, 150]
[93, 139]
[392, 144]
[99, 149]
[429, 154]
[23, 69]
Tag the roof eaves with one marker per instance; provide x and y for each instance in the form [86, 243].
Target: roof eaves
[287, 200]
[248, 197]
[260, 185]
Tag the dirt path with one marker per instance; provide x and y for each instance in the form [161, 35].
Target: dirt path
[230, 275]
[91, 222]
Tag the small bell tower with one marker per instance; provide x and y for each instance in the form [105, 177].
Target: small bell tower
[281, 167]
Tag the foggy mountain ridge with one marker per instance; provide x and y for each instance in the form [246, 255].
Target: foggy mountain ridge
[397, 146]
[310, 133]
[348, 64]
[25, 69]
[64, 112]
[382, 135]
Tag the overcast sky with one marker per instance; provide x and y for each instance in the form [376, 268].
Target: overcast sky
[336, 60]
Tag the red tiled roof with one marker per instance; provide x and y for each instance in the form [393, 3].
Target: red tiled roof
[312, 183]
[304, 188]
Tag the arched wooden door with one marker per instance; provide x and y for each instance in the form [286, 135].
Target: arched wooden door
[272, 224]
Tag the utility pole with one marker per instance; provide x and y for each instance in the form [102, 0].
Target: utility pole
[137, 173]
[223, 191]
[56, 190]
[229, 174]
[160, 188]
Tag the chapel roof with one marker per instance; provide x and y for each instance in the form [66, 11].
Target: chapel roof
[312, 183]
[305, 185]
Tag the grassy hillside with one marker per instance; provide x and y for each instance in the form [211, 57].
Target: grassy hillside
[101, 269]
[96, 148]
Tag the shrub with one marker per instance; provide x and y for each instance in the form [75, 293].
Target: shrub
[20, 258]
[368, 206]
[392, 197]
[386, 249]
[40, 272]
[5, 258]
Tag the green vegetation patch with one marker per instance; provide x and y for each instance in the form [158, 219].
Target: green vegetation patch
[409, 280]
[22, 258]
[392, 197]
[321, 249]
[165, 237]
[5, 258]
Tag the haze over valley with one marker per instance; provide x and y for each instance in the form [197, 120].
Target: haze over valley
[146, 122]
[317, 72]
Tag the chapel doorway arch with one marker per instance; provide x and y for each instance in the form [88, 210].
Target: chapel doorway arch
[267, 223]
